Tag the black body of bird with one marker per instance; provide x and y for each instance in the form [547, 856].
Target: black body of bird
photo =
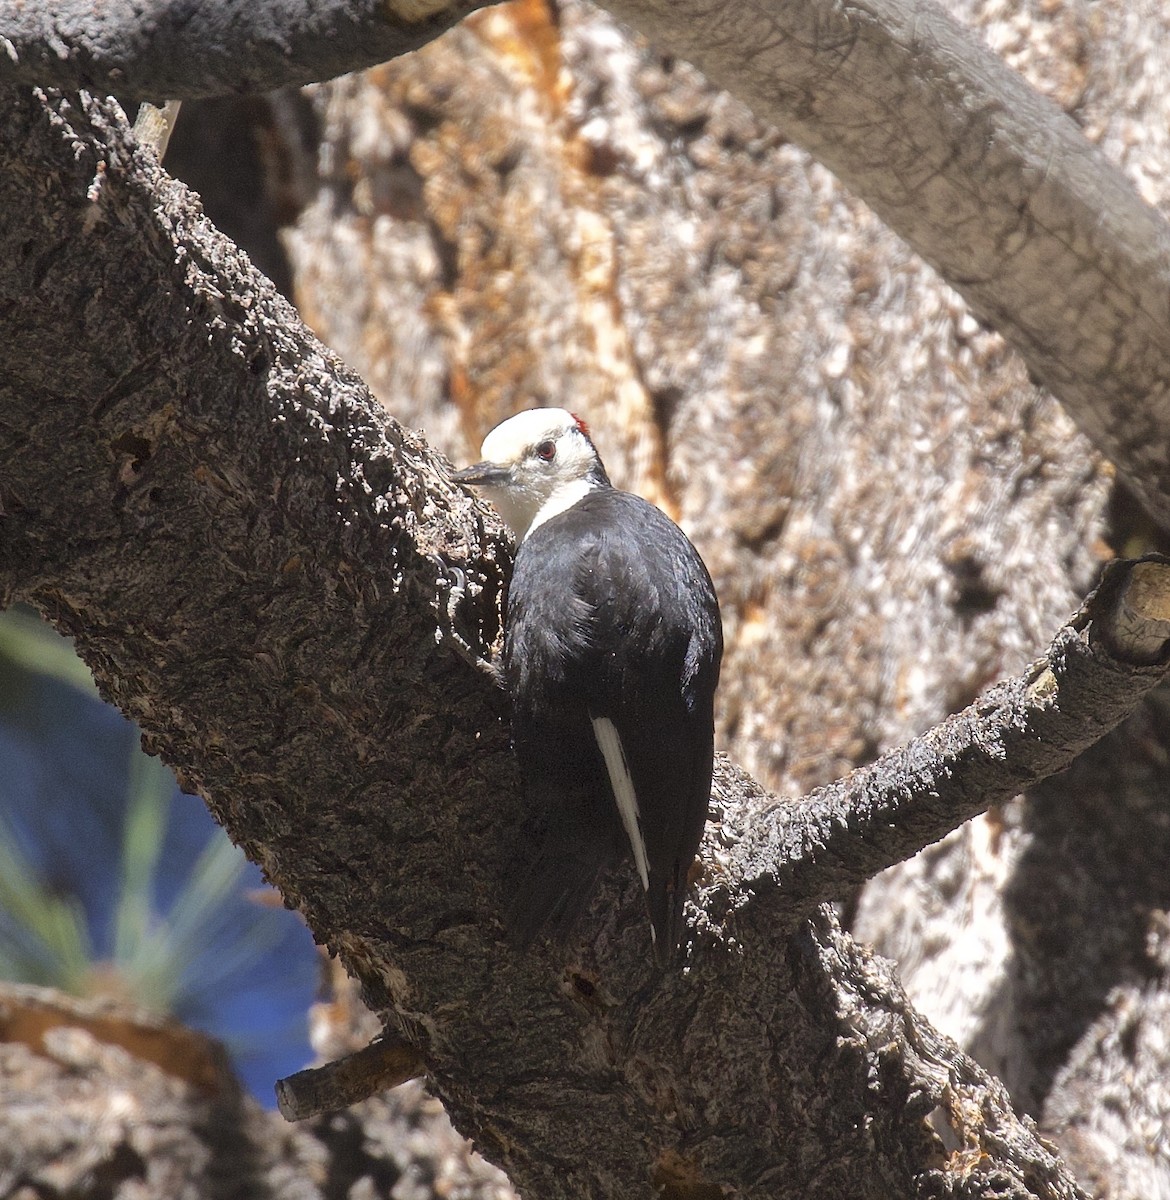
[602, 624]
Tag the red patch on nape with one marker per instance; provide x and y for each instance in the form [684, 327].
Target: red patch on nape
[581, 425]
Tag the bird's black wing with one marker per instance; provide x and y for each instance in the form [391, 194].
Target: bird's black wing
[659, 685]
[612, 616]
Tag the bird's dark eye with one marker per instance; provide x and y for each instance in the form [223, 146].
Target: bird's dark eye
[547, 451]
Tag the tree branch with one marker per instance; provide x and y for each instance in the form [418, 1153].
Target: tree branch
[268, 574]
[385, 1063]
[791, 856]
[165, 51]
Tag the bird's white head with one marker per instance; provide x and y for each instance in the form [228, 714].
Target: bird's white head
[535, 465]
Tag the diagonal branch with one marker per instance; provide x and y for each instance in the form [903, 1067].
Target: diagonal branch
[790, 857]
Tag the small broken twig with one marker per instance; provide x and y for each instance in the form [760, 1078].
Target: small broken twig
[384, 1063]
[153, 126]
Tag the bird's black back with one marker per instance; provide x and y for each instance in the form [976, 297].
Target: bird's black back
[611, 613]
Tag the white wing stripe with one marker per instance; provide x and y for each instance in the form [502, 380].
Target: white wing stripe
[610, 745]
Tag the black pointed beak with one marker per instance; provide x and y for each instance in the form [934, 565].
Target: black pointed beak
[484, 474]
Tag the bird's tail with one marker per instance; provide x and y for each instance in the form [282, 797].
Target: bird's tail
[666, 902]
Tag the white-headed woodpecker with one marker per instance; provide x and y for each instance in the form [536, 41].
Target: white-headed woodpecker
[612, 647]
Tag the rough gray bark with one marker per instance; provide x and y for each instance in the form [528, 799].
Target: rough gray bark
[166, 51]
[258, 567]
